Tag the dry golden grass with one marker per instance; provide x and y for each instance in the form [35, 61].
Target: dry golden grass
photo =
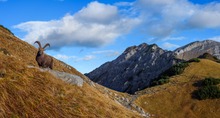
[174, 99]
[27, 53]
[27, 92]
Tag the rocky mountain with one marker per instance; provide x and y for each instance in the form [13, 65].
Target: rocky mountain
[137, 66]
[198, 48]
[134, 68]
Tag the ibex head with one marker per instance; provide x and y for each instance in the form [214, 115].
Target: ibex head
[40, 49]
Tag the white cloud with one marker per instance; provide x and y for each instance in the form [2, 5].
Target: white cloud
[168, 45]
[100, 24]
[216, 38]
[95, 25]
[64, 57]
[88, 57]
[113, 54]
[107, 53]
[123, 4]
[205, 19]
[174, 38]
[91, 56]
[162, 18]
[103, 51]
[74, 58]
[85, 58]
[98, 13]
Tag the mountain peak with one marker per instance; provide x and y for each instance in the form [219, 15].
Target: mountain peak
[143, 45]
[132, 70]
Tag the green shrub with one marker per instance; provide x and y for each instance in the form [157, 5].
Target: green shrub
[176, 69]
[208, 89]
[163, 81]
[159, 82]
[164, 77]
[210, 57]
[215, 57]
[194, 60]
[208, 92]
[210, 81]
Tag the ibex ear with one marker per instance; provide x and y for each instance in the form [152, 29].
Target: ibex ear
[46, 45]
[38, 43]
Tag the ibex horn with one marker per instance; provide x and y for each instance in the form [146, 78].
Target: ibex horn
[46, 45]
[38, 43]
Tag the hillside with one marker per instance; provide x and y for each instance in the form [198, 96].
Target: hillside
[29, 92]
[176, 99]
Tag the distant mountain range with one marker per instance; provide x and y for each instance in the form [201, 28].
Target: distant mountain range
[137, 66]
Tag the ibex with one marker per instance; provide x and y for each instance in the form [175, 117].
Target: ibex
[42, 59]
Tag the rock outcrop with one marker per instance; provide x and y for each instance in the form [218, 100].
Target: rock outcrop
[67, 77]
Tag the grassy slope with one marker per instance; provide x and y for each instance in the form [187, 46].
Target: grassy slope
[175, 100]
[26, 92]
[25, 52]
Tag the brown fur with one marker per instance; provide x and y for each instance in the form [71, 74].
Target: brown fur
[42, 59]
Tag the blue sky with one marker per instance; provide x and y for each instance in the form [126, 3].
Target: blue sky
[88, 33]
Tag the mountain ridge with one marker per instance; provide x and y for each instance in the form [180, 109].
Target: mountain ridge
[137, 66]
[198, 48]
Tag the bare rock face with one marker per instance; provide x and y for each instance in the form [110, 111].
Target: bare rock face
[137, 66]
[198, 48]
[134, 69]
